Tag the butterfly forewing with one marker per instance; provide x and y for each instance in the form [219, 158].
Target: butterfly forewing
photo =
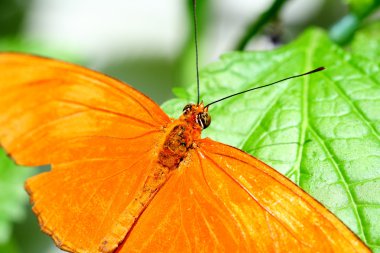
[52, 103]
[223, 200]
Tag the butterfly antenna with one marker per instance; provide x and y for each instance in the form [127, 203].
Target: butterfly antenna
[256, 88]
[196, 46]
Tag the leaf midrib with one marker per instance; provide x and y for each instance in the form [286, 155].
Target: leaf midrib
[304, 114]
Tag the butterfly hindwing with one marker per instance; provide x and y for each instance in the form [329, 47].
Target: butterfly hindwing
[224, 200]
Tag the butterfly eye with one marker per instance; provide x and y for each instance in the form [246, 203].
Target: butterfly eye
[187, 108]
[203, 119]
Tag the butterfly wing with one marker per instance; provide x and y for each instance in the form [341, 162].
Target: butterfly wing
[95, 131]
[224, 200]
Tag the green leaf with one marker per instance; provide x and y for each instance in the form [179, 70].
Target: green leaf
[366, 42]
[321, 131]
[12, 195]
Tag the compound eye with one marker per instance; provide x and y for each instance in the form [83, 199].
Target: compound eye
[187, 108]
[203, 119]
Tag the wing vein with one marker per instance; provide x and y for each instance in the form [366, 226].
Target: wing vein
[212, 233]
[112, 200]
[255, 199]
[215, 196]
[106, 111]
[88, 201]
[306, 202]
[101, 83]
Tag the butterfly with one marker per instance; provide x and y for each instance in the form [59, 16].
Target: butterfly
[127, 178]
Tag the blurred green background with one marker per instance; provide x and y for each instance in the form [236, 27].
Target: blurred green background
[149, 44]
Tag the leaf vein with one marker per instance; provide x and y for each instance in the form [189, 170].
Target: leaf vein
[343, 179]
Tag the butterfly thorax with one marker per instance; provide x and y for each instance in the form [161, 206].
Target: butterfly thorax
[182, 134]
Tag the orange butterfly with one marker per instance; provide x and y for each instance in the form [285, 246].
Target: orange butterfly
[126, 177]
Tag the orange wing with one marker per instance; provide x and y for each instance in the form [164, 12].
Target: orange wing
[95, 131]
[224, 200]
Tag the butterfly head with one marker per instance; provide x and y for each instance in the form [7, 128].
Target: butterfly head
[198, 114]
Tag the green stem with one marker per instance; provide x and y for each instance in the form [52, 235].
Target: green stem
[343, 30]
[258, 24]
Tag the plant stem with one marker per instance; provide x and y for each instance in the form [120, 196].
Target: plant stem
[343, 30]
[258, 24]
